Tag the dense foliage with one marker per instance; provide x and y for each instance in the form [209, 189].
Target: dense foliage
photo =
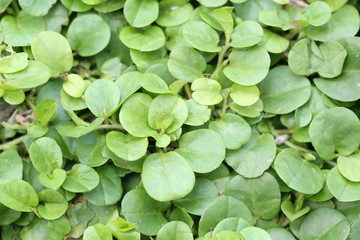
[179, 119]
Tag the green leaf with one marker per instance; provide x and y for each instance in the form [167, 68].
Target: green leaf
[235, 224]
[76, 6]
[334, 29]
[18, 195]
[253, 158]
[76, 131]
[282, 91]
[288, 209]
[109, 189]
[14, 97]
[35, 74]
[153, 83]
[244, 95]
[11, 165]
[52, 204]
[146, 40]
[346, 86]
[128, 83]
[212, 3]
[102, 97]
[126, 146]
[317, 13]
[58, 228]
[97, 33]
[166, 106]
[170, 16]
[53, 181]
[97, 232]
[246, 34]
[89, 149]
[343, 189]
[276, 18]
[249, 66]
[79, 215]
[201, 36]
[8, 216]
[120, 228]
[140, 13]
[303, 60]
[227, 235]
[45, 155]
[138, 207]
[206, 91]
[223, 207]
[224, 18]
[37, 229]
[252, 111]
[334, 4]
[81, 179]
[325, 223]
[13, 63]
[161, 174]
[201, 196]
[56, 18]
[46, 111]
[74, 85]
[298, 173]
[52, 49]
[255, 233]
[198, 114]
[274, 43]
[327, 137]
[204, 149]
[36, 7]
[261, 195]
[134, 115]
[186, 63]
[234, 130]
[349, 166]
[175, 230]
[21, 30]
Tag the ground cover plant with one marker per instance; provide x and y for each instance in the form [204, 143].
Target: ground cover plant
[179, 119]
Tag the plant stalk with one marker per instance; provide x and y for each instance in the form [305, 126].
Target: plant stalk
[12, 143]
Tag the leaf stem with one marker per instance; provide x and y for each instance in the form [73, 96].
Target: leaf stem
[14, 127]
[331, 163]
[115, 126]
[35, 211]
[298, 3]
[292, 145]
[220, 65]
[15, 5]
[225, 105]
[14, 142]
[188, 90]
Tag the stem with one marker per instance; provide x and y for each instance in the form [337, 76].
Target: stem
[188, 90]
[282, 131]
[14, 127]
[12, 143]
[331, 163]
[31, 104]
[35, 211]
[225, 105]
[292, 145]
[219, 65]
[298, 3]
[15, 5]
[299, 202]
[117, 126]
